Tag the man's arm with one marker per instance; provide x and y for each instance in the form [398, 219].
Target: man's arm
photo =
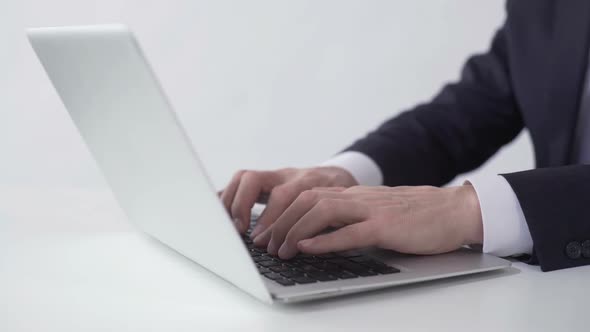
[465, 124]
[556, 205]
[362, 168]
[505, 231]
[543, 212]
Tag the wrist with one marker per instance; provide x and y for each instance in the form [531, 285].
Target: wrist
[340, 177]
[472, 223]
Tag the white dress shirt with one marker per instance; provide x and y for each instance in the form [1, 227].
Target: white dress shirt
[505, 231]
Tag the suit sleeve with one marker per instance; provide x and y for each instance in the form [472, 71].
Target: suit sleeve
[463, 126]
[556, 206]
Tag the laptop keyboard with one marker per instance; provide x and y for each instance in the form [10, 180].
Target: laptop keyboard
[308, 269]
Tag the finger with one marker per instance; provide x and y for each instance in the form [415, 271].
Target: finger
[228, 193]
[302, 204]
[262, 237]
[355, 236]
[333, 189]
[251, 185]
[280, 198]
[326, 213]
[364, 189]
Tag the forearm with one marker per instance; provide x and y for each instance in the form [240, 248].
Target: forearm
[555, 203]
[457, 131]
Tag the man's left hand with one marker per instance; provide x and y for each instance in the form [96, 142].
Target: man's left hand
[416, 220]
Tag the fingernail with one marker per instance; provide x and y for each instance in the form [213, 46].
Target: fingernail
[272, 248]
[238, 223]
[283, 251]
[257, 230]
[257, 240]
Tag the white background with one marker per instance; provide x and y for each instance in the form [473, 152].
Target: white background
[258, 84]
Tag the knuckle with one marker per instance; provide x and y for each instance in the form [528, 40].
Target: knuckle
[291, 238]
[313, 172]
[235, 210]
[276, 234]
[239, 174]
[287, 170]
[236, 207]
[312, 178]
[250, 175]
[325, 206]
[280, 193]
[285, 173]
[354, 189]
[308, 196]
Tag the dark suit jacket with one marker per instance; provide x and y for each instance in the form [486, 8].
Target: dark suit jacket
[532, 77]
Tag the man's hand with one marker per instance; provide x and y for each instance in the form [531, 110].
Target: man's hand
[281, 187]
[417, 220]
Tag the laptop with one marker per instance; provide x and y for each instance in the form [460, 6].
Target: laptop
[114, 99]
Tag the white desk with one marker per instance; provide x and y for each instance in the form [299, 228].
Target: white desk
[120, 280]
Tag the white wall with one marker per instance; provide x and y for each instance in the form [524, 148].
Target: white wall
[258, 84]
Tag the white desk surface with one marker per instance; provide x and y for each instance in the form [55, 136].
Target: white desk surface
[109, 280]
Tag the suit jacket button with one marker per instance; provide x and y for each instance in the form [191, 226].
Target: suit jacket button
[573, 250]
[586, 249]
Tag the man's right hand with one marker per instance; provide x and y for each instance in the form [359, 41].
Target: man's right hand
[281, 187]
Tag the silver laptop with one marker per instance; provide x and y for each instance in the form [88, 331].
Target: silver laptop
[121, 112]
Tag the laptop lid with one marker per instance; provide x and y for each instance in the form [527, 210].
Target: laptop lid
[121, 112]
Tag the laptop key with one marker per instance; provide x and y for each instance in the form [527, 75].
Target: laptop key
[386, 270]
[326, 256]
[295, 263]
[322, 276]
[285, 282]
[259, 259]
[291, 274]
[363, 260]
[268, 263]
[350, 253]
[280, 268]
[272, 275]
[338, 260]
[326, 266]
[312, 260]
[303, 280]
[364, 273]
[352, 266]
[263, 269]
[345, 275]
[309, 268]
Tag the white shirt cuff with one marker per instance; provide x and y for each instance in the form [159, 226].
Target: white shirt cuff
[505, 231]
[363, 169]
